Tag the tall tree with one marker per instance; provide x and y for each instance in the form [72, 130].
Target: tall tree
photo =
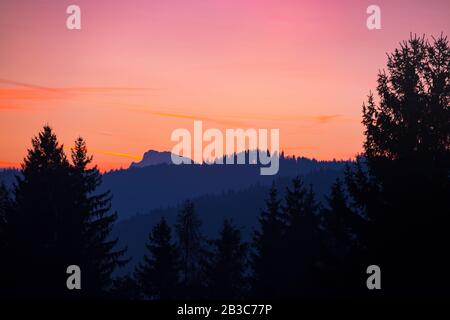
[60, 220]
[340, 221]
[126, 288]
[402, 182]
[342, 243]
[6, 205]
[190, 246]
[158, 274]
[44, 212]
[101, 256]
[302, 239]
[226, 265]
[268, 248]
[5, 208]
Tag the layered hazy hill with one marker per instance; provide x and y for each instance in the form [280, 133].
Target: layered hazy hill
[155, 187]
[242, 206]
[155, 183]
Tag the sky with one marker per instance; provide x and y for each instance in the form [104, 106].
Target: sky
[139, 69]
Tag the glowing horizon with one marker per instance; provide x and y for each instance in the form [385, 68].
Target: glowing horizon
[138, 70]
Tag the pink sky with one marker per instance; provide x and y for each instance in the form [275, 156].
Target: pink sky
[139, 69]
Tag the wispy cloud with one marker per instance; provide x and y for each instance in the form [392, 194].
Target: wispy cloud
[110, 153]
[7, 164]
[26, 85]
[219, 120]
[298, 148]
[105, 133]
[118, 154]
[9, 107]
[240, 119]
[75, 89]
[327, 118]
[30, 94]
[17, 93]
[13, 94]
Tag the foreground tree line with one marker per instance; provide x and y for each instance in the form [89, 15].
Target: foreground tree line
[55, 219]
[391, 210]
[298, 250]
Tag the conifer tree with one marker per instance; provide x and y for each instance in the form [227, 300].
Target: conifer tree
[101, 256]
[157, 275]
[226, 265]
[339, 221]
[6, 206]
[302, 240]
[60, 220]
[268, 248]
[190, 246]
[341, 243]
[126, 288]
[41, 248]
[401, 182]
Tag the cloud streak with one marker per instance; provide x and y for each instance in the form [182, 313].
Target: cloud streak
[13, 92]
[110, 153]
[22, 91]
[118, 154]
[75, 89]
[7, 164]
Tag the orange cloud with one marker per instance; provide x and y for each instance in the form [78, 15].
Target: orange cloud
[28, 94]
[79, 89]
[118, 154]
[318, 118]
[7, 164]
[327, 118]
[184, 116]
[31, 92]
[10, 106]
[19, 91]
[26, 85]
[236, 120]
[110, 153]
[298, 148]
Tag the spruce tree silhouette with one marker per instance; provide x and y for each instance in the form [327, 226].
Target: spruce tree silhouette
[126, 288]
[59, 221]
[401, 183]
[191, 249]
[158, 274]
[225, 265]
[302, 241]
[100, 256]
[6, 206]
[43, 215]
[336, 221]
[342, 246]
[268, 251]
[5, 209]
